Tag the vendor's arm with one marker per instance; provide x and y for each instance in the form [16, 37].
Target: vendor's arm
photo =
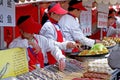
[78, 35]
[55, 51]
[71, 31]
[65, 45]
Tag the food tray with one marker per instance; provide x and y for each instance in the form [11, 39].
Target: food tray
[108, 47]
[96, 55]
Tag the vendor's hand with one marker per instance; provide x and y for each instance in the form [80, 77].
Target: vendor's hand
[70, 45]
[62, 64]
[35, 46]
[77, 45]
[98, 41]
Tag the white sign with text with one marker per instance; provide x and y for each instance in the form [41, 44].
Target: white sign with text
[86, 22]
[102, 20]
[7, 13]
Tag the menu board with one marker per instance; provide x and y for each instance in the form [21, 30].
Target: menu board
[13, 62]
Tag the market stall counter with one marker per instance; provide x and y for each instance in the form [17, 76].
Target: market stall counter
[97, 65]
[79, 68]
[73, 69]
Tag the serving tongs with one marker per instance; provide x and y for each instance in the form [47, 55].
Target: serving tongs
[4, 70]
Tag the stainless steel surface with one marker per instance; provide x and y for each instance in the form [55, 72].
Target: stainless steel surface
[2, 37]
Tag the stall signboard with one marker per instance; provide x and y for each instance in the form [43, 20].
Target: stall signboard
[102, 20]
[86, 19]
[13, 62]
[7, 13]
[103, 10]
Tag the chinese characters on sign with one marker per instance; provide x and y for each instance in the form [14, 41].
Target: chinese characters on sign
[102, 15]
[86, 18]
[102, 20]
[15, 61]
[85, 21]
[7, 13]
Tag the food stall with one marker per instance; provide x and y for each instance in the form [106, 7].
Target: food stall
[84, 65]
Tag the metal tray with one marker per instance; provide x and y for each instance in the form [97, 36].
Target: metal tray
[109, 47]
[96, 55]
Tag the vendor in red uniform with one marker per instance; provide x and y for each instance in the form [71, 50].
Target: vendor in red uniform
[50, 28]
[111, 23]
[110, 30]
[112, 12]
[37, 45]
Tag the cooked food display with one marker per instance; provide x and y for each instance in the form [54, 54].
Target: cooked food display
[108, 42]
[97, 49]
[51, 72]
[99, 65]
[102, 76]
[86, 79]
[116, 39]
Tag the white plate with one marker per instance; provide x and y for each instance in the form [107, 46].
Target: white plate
[110, 46]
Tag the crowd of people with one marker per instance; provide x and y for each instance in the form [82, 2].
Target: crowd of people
[60, 32]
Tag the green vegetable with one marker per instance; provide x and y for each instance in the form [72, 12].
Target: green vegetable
[98, 47]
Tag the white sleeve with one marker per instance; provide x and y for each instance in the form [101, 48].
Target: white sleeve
[48, 31]
[111, 31]
[87, 41]
[55, 49]
[18, 42]
[63, 45]
[49, 45]
[118, 31]
[77, 34]
[56, 52]
[71, 31]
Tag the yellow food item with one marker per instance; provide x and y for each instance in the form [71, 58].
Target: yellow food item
[84, 52]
